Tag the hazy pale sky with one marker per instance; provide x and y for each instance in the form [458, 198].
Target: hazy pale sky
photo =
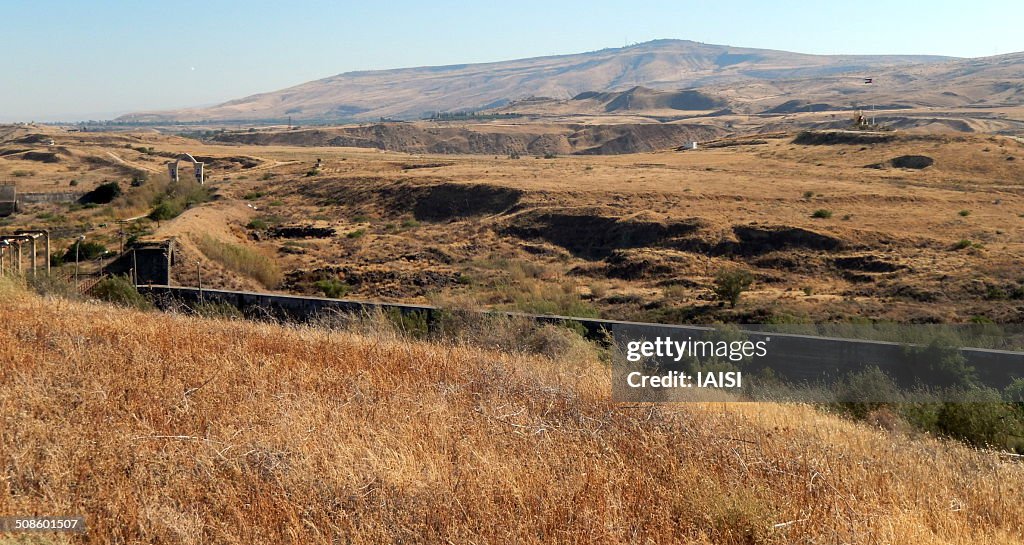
[81, 59]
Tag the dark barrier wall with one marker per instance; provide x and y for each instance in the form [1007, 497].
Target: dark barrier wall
[798, 357]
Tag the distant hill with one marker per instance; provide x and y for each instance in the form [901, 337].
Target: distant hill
[662, 64]
[976, 83]
[984, 82]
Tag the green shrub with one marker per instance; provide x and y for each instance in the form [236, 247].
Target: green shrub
[858, 393]
[995, 293]
[981, 419]
[730, 285]
[822, 213]
[962, 244]
[257, 224]
[103, 194]
[964, 213]
[1014, 393]
[86, 251]
[118, 290]
[176, 199]
[332, 287]
[413, 323]
[165, 210]
[358, 233]
[942, 361]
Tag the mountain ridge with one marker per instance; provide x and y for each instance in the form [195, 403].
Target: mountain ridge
[408, 93]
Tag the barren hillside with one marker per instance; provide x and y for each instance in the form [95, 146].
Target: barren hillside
[413, 92]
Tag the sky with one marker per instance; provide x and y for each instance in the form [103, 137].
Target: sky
[96, 59]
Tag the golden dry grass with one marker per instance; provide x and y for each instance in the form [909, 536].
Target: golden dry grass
[171, 429]
[241, 260]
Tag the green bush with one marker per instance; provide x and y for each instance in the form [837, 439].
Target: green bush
[730, 285]
[982, 420]
[177, 198]
[1014, 393]
[165, 210]
[944, 364]
[333, 288]
[86, 251]
[822, 213]
[858, 393]
[413, 323]
[118, 290]
[103, 194]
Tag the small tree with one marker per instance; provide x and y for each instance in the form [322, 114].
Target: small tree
[165, 210]
[730, 284]
[103, 194]
[85, 251]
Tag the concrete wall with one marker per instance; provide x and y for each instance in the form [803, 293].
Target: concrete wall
[49, 197]
[8, 200]
[795, 357]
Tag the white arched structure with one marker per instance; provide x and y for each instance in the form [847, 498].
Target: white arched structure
[172, 167]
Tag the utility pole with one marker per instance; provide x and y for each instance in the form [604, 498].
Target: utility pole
[199, 276]
[78, 246]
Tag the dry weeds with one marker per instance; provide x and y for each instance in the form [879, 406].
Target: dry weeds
[175, 429]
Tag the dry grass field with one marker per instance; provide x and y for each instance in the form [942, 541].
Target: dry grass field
[171, 429]
[830, 230]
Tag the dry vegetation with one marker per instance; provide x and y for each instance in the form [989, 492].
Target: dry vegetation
[828, 232]
[241, 260]
[170, 429]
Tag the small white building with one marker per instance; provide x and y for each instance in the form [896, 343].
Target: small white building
[690, 145]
